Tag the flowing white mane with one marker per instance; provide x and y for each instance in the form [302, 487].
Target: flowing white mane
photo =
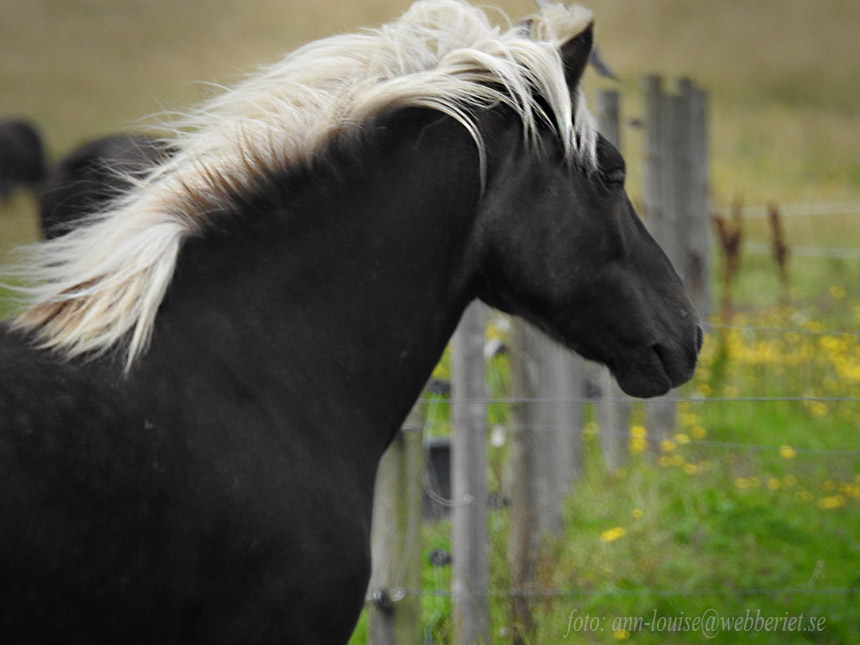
[101, 285]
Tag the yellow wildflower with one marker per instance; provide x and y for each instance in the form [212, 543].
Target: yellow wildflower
[828, 503]
[589, 431]
[610, 535]
[818, 408]
[638, 431]
[689, 419]
[850, 490]
[704, 390]
[837, 292]
[636, 513]
[667, 445]
[620, 634]
[698, 432]
[637, 445]
[787, 452]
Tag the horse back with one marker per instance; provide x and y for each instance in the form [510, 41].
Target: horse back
[41, 395]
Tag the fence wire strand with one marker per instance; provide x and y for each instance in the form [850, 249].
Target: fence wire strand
[566, 593]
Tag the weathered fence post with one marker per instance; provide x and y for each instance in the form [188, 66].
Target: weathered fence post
[530, 448]
[613, 406]
[661, 201]
[676, 202]
[470, 540]
[613, 419]
[652, 191]
[394, 616]
[609, 116]
[545, 382]
[697, 267]
[566, 387]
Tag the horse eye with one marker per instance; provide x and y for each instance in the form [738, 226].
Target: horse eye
[615, 177]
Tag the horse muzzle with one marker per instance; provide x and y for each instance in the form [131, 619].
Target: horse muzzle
[656, 369]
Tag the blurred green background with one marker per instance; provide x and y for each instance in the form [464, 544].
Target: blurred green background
[784, 77]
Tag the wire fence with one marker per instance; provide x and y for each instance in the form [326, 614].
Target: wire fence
[781, 330]
[672, 183]
[835, 253]
[727, 445]
[592, 593]
[514, 400]
[438, 588]
[796, 210]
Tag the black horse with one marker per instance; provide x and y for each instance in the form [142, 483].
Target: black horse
[91, 176]
[194, 403]
[22, 156]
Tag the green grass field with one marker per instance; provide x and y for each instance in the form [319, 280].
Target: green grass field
[754, 505]
[751, 508]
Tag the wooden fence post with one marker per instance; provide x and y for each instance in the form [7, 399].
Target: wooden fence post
[613, 406]
[566, 387]
[609, 116]
[613, 419]
[544, 454]
[676, 203]
[667, 118]
[469, 537]
[524, 537]
[660, 218]
[652, 190]
[394, 616]
[697, 264]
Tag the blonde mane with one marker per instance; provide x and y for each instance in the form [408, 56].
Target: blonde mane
[100, 286]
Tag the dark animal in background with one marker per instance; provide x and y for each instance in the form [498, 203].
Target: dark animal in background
[89, 177]
[22, 156]
[194, 402]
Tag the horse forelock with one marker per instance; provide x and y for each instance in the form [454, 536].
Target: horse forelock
[99, 287]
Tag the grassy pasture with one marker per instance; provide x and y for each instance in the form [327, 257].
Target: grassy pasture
[753, 504]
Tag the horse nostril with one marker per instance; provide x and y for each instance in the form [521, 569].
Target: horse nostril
[700, 338]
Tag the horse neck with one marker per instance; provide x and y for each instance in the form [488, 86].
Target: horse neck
[325, 305]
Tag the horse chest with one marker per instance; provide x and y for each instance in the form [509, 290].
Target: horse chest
[276, 561]
[210, 559]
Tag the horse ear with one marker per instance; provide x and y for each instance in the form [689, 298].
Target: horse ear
[575, 54]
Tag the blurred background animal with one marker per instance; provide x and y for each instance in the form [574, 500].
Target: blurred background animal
[22, 156]
[87, 178]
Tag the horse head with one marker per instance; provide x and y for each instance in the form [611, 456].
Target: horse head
[564, 248]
